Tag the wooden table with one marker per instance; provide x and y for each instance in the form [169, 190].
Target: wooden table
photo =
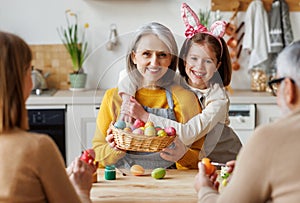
[176, 186]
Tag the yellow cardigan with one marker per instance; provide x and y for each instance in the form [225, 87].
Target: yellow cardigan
[186, 106]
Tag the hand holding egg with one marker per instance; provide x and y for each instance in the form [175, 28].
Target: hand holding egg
[88, 156]
[209, 168]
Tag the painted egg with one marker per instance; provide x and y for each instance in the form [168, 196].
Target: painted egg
[138, 123]
[120, 124]
[161, 133]
[158, 128]
[138, 131]
[170, 131]
[137, 170]
[149, 123]
[127, 130]
[150, 131]
[158, 173]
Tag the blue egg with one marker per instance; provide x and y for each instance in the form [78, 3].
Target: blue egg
[120, 124]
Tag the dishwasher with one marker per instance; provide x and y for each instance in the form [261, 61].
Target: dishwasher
[49, 120]
[242, 120]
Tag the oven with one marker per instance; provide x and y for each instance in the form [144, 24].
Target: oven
[242, 120]
[49, 120]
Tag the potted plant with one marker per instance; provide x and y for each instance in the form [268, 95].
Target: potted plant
[77, 48]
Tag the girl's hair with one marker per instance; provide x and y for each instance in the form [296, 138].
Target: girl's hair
[163, 33]
[15, 59]
[223, 75]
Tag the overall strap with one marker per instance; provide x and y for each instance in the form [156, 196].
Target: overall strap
[169, 99]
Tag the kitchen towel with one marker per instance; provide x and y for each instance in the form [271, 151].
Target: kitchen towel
[256, 39]
[281, 33]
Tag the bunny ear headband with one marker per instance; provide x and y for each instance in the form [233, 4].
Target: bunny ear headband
[193, 25]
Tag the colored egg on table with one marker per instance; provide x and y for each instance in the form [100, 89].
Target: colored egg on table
[158, 173]
[137, 170]
[120, 124]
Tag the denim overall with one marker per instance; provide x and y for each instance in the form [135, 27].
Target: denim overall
[150, 160]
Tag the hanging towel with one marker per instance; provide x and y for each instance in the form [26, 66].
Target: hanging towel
[256, 39]
[281, 33]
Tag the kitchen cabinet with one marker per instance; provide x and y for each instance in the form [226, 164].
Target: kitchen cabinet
[81, 125]
[267, 113]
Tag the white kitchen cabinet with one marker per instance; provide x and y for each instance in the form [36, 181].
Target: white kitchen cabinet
[81, 125]
[267, 113]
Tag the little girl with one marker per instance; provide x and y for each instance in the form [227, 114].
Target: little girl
[205, 66]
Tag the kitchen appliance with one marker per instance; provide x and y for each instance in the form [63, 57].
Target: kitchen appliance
[49, 120]
[39, 82]
[242, 120]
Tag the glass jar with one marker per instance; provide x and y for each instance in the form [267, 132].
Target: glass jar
[258, 80]
[110, 172]
[271, 76]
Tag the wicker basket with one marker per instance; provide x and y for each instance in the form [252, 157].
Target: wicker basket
[141, 143]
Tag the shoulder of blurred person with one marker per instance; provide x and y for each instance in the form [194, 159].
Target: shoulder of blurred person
[31, 162]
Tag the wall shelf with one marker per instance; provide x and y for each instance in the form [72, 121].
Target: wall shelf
[294, 5]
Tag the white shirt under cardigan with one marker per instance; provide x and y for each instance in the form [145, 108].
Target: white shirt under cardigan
[215, 107]
[215, 110]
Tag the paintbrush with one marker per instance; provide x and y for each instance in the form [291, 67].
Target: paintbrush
[218, 164]
[124, 174]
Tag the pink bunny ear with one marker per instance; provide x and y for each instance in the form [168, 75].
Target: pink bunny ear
[193, 26]
[217, 29]
[191, 21]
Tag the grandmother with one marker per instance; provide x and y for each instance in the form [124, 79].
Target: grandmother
[151, 62]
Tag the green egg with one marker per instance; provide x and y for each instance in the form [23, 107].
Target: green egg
[158, 173]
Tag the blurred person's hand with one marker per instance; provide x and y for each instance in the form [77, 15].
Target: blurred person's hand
[230, 165]
[81, 176]
[203, 180]
[230, 168]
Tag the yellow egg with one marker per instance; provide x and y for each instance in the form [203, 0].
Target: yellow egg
[224, 182]
[149, 123]
[137, 170]
[127, 130]
[161, 133]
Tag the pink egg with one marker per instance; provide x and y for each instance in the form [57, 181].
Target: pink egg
[170, 131]
[138, 123]
[138, 131]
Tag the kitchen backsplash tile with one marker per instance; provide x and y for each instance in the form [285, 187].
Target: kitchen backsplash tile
[53, 58]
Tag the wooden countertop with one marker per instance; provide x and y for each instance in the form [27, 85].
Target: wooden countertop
[176, 186]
